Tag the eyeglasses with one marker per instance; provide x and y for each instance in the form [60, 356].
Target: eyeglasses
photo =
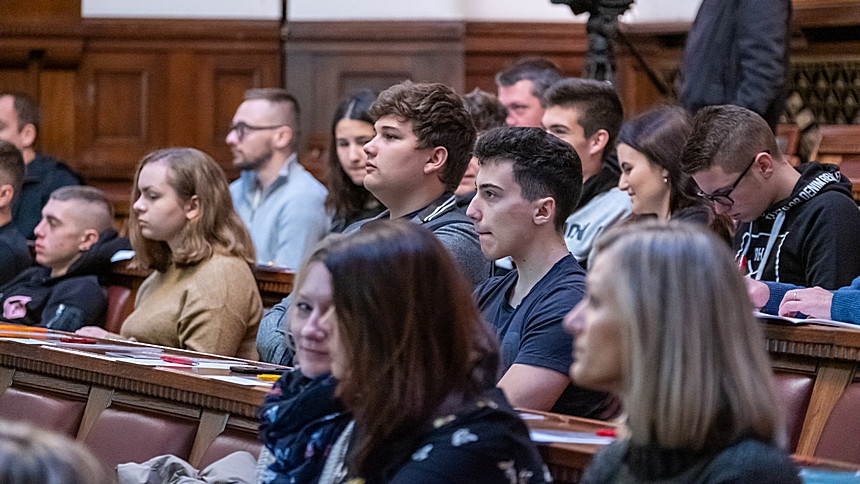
[724, 198]
[242, 129]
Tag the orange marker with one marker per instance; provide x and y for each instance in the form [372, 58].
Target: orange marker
[19, 327]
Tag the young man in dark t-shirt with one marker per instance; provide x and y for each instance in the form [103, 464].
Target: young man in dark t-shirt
[528, 184]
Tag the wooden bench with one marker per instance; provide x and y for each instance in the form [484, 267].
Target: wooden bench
[827, 358]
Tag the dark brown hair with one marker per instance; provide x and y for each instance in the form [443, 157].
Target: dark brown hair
[541, 72]
[485, 109]
[12, 166]
[727, 136]
[439, 118]
[345, 198]
[217, 228]
[660, 134]
[543, 165]
[596, 102]
[410, 329]
[26, 108]
[29, 454]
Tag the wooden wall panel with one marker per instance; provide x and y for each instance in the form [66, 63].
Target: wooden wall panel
[112, 90]
[219, 91]
[122, 115]
[326, 61]
[57, 96]
[491, 46]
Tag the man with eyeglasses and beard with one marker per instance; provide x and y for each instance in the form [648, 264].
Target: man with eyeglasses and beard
[279, 201]
[797, 226]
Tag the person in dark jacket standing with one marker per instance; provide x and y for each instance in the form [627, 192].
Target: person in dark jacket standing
[737, 53]
[797, 226]
[19, 124]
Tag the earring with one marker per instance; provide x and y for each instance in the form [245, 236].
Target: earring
[665, 179]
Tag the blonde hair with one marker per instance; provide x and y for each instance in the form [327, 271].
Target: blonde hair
[216, 229]
[696, 375]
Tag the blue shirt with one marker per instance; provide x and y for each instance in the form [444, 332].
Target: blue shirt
[286, 218]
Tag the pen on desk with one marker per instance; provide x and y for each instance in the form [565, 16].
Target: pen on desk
[257, 370]
[178, 359]
[77, 339]
[268, 377]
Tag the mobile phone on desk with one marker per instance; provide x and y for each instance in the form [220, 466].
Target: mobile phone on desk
[258, 370]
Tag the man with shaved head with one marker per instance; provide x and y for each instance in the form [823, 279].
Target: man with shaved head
[282, 204]
[74, 242]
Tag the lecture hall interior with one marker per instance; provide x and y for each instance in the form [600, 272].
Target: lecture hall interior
[117, 79]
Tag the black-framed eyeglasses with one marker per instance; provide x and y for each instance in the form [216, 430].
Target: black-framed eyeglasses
[242, 129]
[724, 198]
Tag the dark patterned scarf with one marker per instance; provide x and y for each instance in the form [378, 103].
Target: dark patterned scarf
[299, 422]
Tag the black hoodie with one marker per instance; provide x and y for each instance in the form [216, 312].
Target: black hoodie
[67, 302]
[816, 244]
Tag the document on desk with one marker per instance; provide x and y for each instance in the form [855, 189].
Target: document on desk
[801, 321]
[239, 380]
[27, 341]
[566, 437]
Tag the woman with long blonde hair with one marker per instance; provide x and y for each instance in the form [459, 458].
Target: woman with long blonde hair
[666, 325]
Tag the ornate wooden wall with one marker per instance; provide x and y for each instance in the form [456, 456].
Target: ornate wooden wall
[112, 90]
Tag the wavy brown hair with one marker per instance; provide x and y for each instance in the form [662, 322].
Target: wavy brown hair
[439, 118]
[216, 230]
[410, 329]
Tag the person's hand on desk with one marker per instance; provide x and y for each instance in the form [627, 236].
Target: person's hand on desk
[758, 292]
[814, 302]
[96, 332]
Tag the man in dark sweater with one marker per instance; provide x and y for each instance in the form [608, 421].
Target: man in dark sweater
[19, 124]
[528, 184]
[14, 253]
[798, 226]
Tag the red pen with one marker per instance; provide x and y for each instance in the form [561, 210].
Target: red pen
[606, 433]
[178, 359]
[77, 339]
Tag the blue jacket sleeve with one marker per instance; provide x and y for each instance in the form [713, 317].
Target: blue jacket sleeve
[846, 303]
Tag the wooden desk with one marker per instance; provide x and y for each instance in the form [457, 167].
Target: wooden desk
[100, 384]
[566, 462]
[63, 376]
[828, 354]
